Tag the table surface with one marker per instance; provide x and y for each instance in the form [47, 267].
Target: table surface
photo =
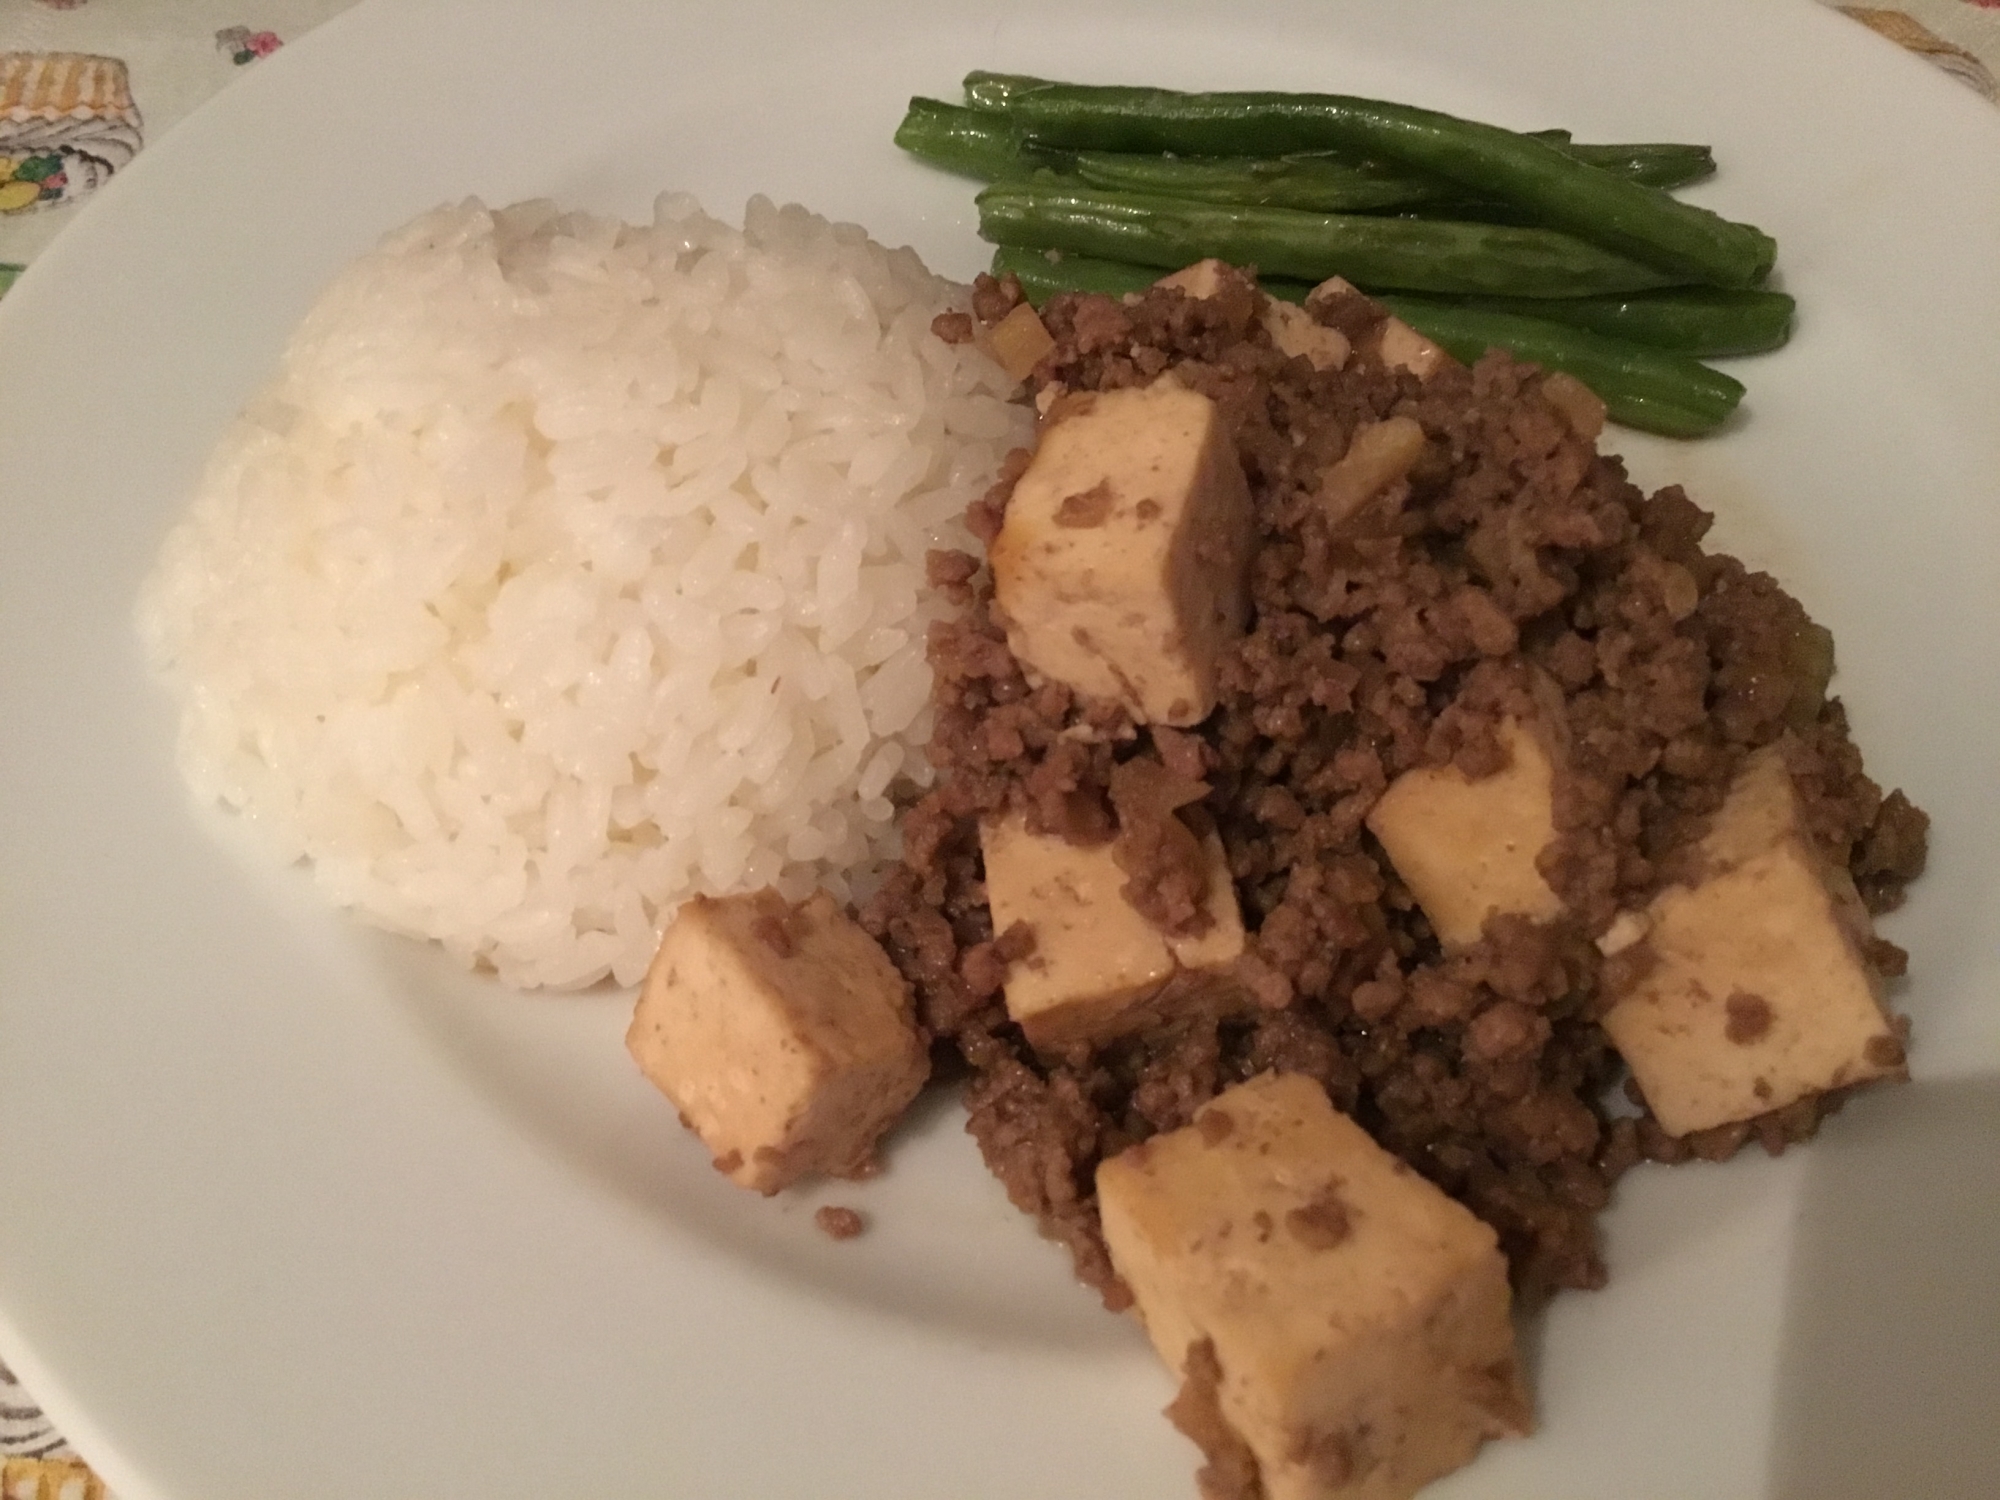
[152, 61]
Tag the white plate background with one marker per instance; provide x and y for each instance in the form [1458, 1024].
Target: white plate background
[288, 1208]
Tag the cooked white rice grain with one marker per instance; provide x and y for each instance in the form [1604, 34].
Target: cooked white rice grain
[569, 568]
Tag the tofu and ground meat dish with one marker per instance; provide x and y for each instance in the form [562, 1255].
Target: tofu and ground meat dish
[1365, 825]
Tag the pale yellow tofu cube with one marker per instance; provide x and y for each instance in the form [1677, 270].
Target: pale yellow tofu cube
[782, 1033]
[1759, 991]
[1100, 969]
[1466, 848]
[1122, 565]
[1358, 1318]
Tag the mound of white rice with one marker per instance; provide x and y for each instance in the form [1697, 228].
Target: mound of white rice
[569, 568]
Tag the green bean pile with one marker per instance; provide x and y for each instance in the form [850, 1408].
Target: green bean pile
[1576, 257]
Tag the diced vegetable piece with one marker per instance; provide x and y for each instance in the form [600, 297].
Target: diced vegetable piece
[1018, 341]
[1380, 454]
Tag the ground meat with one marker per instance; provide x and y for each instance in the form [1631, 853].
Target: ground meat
[1886, 1052]
[1322, 1223]
[986, 514]
[1774, 1131]
[1749, 1018]
[839, 1223]
[994, 297]
[1230, 1471]
[951, 574]
[772, 932]
[1892, 853]
[1515, 571]
[1359, 317]
[1165, 865]
[953, 327]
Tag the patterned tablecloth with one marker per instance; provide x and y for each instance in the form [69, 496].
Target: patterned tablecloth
[84, 84]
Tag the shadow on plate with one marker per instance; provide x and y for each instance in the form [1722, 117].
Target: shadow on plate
[943, 1248]
[1889, 1383]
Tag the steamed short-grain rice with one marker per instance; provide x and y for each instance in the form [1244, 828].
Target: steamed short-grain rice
[568, 568]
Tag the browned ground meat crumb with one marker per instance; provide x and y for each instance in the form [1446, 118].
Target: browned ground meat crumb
[953, 327]
[1230, 1470]
[1749, 1018]
[839, 1223]
[993, 298]
[1514, 569]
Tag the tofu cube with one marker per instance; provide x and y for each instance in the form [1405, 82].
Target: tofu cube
[1100, 969]
[783, 1035]
[1760, 991]
[1357, 1319]
[1467, 849]
[1122, 565]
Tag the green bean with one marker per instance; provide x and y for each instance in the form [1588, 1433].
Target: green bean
[1630, 218]
[985, 144]
[1660, 164]
[976, 142]
[1318, 184]
[1411, 254]
[1651, 389]
[1700, 321]
[1323, 183]
[1042, 278]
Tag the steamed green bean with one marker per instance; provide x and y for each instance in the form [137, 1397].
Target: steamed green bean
[1411, 254]
[1628, 218]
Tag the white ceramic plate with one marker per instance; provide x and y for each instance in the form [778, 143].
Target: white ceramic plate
[292, 1209]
